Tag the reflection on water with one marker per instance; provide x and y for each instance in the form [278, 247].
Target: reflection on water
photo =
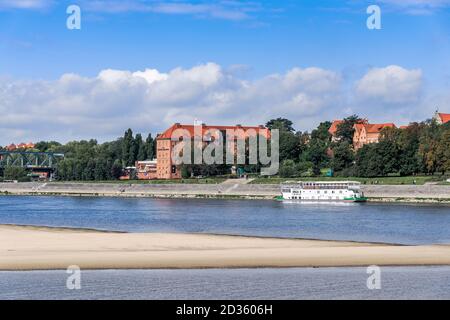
[296, 283]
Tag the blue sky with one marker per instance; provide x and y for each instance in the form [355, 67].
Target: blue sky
[318, 57]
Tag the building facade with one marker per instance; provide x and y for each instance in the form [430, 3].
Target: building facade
[365, 132]
[169, 139]
[333, 129]
[441, 118]
[146, 170]
[368, 133]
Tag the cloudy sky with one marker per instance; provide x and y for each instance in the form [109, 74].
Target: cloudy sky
[146, 64]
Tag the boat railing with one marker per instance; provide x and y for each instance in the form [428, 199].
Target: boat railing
[322, 185]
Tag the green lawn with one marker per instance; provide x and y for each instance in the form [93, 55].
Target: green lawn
[211, 180]
[420, 180]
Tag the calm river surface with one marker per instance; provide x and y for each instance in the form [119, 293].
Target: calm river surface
[295, 283]
[405, 224]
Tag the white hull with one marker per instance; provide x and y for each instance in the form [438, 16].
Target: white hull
[321, 202]
[323, 192]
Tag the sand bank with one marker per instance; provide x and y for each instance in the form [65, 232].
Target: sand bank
[35, 248]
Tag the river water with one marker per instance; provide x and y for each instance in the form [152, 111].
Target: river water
[403, 224]
[295, 283]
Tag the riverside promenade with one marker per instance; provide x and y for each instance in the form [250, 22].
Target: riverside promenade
[234, 188]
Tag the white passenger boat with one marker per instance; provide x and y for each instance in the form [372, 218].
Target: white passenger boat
[348, 191]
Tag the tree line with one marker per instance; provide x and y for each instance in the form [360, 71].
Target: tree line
[88, 160]
[420, 148]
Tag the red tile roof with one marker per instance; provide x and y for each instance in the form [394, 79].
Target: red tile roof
[377, 127]
[359, 126]
[334, 126]
[445, 117]
[190, 128]
[22, 145]
[373, 127]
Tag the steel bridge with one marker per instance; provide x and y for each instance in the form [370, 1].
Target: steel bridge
[29, 159]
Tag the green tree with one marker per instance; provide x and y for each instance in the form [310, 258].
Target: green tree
[47, 146]
[443, 150]
[281, 124]
[141, 150]
[388, 153]
[345, 130]
[408, 146]
[288, 169]
[290, 145]
[150, 147]
[321, 133]
[428, 147]
[343, 156]
[116, 169]
[14, 173]
[127, 150]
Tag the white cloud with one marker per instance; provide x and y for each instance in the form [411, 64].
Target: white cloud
[227, 10]
[216, 9]
[392, 85]
[74, 107]
[102, 107]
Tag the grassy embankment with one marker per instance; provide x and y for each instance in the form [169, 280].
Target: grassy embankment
[419, 180]
[211, 180]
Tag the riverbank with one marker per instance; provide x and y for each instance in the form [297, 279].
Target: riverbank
[227, 190]
[42, 248]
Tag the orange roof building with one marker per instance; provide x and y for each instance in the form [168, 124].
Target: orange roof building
[11, 147]
[146, 170]
[334, 127]
[166, 142]
[368, 133]
[20, 146]
[442, 118]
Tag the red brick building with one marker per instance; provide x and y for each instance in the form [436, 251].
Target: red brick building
[146, 170]
[166, 141]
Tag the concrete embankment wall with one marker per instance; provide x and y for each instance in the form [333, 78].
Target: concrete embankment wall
[227, 190]
[136, 190]
[409, 191]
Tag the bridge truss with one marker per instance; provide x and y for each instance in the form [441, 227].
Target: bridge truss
[30, 159]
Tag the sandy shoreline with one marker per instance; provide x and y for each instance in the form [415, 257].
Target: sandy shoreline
[43, 248]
